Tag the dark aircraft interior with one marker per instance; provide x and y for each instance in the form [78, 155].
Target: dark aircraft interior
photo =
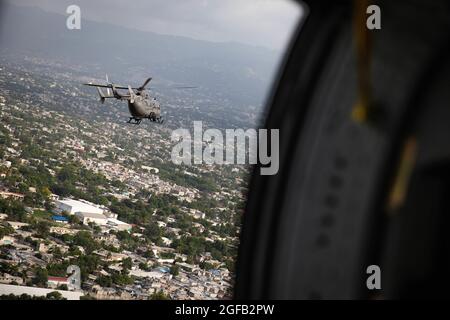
[356, 191]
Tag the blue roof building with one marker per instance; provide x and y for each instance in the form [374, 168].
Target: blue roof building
[60, 219]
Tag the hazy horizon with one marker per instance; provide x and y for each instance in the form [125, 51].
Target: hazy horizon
[262, 23]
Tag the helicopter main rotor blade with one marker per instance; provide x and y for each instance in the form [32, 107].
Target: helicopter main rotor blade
[185, 87]
[145, 84]
[110, 86]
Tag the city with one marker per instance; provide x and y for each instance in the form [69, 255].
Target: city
[138, 226]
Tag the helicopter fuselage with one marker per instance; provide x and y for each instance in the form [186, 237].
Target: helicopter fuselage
[144, 108]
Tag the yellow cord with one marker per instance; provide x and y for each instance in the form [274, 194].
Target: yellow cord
[360, 112]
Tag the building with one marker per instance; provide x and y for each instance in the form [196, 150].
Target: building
[110, 214]
[11, 195]
[196, 214]
[119, 225]
[6, 240]
[6, 289]
[89, 217]
[146, 274]
[8, 279]
[73, 206]
[62, 230]
[55, 282]
[60, 219]
[17, 225]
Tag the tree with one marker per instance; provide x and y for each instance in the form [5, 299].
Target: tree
[43, 229]
[55, 295]
[121, 279]
[104, 281]
[153, 232]
[46, 192]
[144, 266]
[160, 295]
[127, 263]
[73, 219]
[4, 231]
[63, 287]
[40, 277]
[84, 239]
[175, 270]
[206, 265]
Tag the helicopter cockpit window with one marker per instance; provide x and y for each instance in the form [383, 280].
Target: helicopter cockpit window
[113, 154]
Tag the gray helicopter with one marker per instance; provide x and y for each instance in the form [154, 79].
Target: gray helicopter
[140, 104]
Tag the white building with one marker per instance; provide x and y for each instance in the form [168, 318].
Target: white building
[73, 206]
[119, 225]
[17, 225]
[87, 217]
[146, 274]
[6, 289]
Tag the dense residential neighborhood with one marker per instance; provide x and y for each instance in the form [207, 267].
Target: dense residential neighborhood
[89, 191]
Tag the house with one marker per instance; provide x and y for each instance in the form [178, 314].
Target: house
[43, 248]
[7, 240]
[17, 225]
[11, 195]
[146, 274]
[54, 197]
[196, 214]
[61, 230]
[8, 279]
[108, 294]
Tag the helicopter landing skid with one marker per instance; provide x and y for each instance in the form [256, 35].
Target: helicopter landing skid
[157, 120]
[135, 121]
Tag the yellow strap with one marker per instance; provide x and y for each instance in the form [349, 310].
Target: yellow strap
[399, 188]
[360, 112]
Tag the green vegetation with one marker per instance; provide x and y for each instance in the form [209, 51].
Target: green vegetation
[41, 277]
[160, 295]
[50, 296]
[175, 270]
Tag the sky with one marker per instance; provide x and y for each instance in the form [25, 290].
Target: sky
[267, 23]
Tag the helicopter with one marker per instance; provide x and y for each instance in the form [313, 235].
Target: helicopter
[140, 104]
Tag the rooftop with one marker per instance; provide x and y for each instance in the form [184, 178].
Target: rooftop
[57, 279]
[91, 215]
[59, 218]
[81, 206]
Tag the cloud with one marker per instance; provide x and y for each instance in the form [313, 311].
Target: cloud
[267, 23]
